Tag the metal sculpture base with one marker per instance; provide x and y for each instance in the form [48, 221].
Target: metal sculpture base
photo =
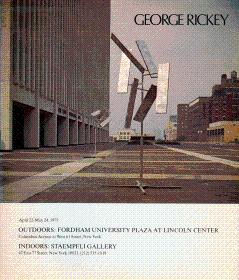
[141, 186]
[90, 156]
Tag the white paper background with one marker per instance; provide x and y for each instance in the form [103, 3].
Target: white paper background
[137, 255]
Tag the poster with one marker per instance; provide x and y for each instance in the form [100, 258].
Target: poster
[81, 197]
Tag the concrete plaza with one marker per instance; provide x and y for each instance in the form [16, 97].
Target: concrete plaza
[189, 173]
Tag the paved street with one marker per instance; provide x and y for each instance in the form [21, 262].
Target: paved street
[189, 173]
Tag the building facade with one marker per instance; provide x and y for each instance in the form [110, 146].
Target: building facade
[193, 120]
[198, 121]
[223, 132]
[54, 71]
[183, 131]
[124, 135]
[225, 99]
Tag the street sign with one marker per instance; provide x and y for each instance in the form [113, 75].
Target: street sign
[146, 104]
[132, 97]
[162, 88]
[124, 74]
[148, 60]
[127, 53]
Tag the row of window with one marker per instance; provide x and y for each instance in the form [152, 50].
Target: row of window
[213, 132]
[124, 138]
[39, 56]
[124, 133]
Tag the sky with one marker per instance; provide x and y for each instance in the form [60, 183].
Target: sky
[198, 55]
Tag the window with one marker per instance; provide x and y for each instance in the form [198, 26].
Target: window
[15, 41]
[21, 44]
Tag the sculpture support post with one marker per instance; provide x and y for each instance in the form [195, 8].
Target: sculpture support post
[95, 139]
[140, 183]
[142, 136]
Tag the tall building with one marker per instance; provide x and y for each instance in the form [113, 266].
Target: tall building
[212, 118]
[199, 118]
[224, 126]
[193, 120]
[54, 71]
[225, 99]
[183, 131]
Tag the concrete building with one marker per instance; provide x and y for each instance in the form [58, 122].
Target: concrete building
[124, 135]
[171, 128]
[183, 131]
[54, 71]
[223, 132]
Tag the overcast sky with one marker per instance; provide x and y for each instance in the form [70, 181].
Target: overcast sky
[198, 55]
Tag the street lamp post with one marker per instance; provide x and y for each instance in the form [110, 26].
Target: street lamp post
[98, 115]
[95, 114]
